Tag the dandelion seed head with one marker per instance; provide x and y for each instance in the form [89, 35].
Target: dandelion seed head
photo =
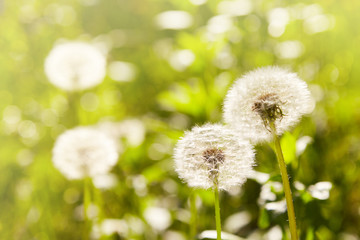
[84, 152]
[213, 153]
[75, 66]
[269, 94]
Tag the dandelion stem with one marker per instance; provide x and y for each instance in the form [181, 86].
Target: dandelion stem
[193, 220]
[285, 180]
[86, 204]
[217, 212]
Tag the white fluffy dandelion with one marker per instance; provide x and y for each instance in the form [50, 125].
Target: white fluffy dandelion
[269, 94]
[213, 153]
[84, 152]
[75, 66]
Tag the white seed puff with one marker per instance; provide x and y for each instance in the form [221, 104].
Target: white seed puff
[84, 152]
[74, 66]
[213, 151]
[273, 86]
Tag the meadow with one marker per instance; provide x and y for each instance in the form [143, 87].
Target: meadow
[168, 65]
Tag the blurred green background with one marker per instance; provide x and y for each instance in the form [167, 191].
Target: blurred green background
[168, 71]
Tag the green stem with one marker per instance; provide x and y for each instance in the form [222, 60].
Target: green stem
[98, 200]
[285, 180]
[74, 103]
[86, 204]
[193, 220]
[217, 212]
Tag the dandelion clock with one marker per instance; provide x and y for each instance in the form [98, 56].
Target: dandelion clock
[84, 152]
[269, 94]
[75, 66]
[212, 156]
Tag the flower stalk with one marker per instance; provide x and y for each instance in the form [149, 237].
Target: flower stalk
[86, 204]
[217, 212]
[285, 180]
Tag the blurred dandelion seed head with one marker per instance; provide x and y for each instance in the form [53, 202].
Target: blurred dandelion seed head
[198, 2]
[278, 18]
[174, 20]
[264, 95]
[235, 7]
[84, 152]
[158, 218]
[289, 49]
[122, 71]
[213, 152]
[75, 66]
[220, 24]
[181, 59]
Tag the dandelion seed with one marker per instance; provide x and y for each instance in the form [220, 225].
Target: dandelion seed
[75, 66]
[213, 154]
[266, 95]
[84, 152]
